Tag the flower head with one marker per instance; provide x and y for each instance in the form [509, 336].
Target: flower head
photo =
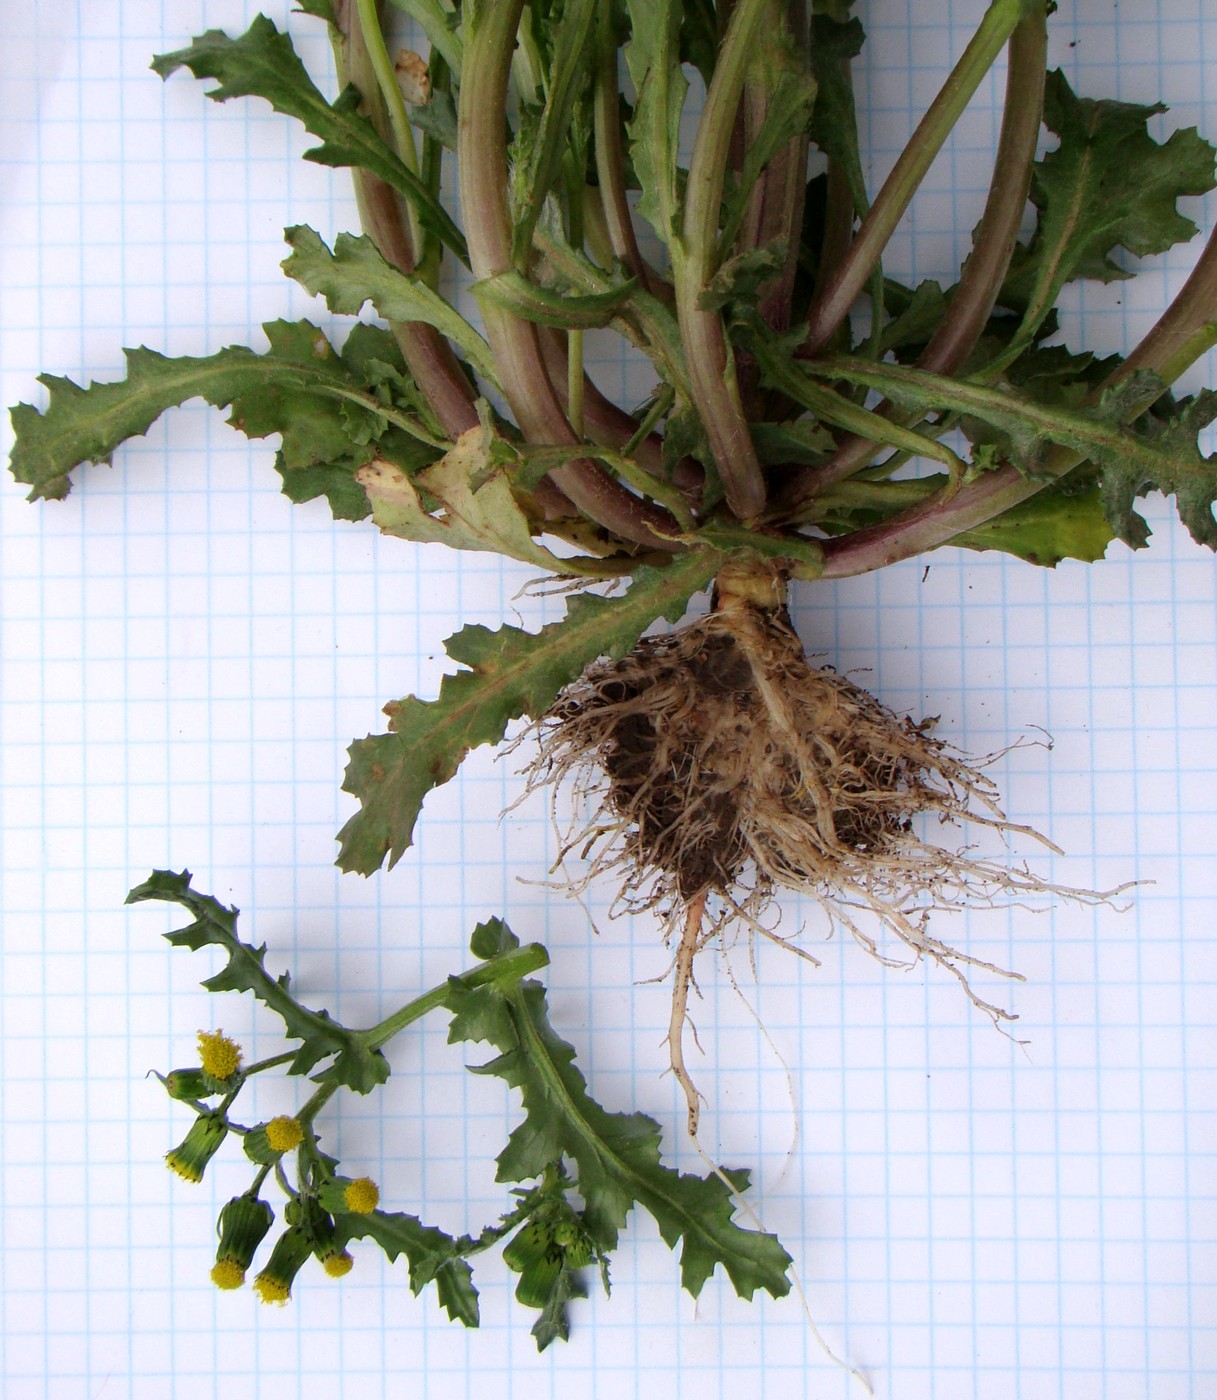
[227, 1273]
[283, 1133]
[274, 1283]
[186, 1084]
[242, 1227]
[189, 1159]
[343, 1196]
[338, 1264]
[219, 1055]
[362, 1196]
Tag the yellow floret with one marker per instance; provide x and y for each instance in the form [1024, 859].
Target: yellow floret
[219, 1055]
[283, 1133]
[362, 1196]
[338, 1264]
[227, 1273]
[272, 1290]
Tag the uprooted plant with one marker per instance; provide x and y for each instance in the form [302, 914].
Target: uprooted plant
[786, 439]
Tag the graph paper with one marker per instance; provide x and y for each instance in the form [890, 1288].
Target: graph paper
[186, 656]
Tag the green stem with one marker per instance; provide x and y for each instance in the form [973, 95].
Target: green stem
[395, 103]
[1183, 333]
[574, 380]
[664, 400]
[504, 971]
[854, 270]
[610, 164]
[707, 354]
[482, 164]
[985, 270]
[272, 1063]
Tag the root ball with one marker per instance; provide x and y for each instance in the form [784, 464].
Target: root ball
[720, 764]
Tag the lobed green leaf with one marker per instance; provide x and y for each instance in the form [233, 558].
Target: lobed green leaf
[331, 419]
[1108, 185]
[511, 673]
[653, 58]
[355, 1064]
[432, 1256]
[263, 62]
[355, 273]
[615, 1155]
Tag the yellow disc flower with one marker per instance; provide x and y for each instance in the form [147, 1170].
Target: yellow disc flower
[336, 1265]
[283, 1133]
[219, 1055]
[227, 1273]
[362, 1196]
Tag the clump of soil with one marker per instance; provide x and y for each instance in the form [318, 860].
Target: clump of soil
[721, 764]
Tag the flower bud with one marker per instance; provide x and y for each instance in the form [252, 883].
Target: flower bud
[274, 1283]
[318, 1224]
[189, 1159]
[242, 1227]
[186, 1085]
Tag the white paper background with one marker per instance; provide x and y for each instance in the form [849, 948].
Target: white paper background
[185, 657]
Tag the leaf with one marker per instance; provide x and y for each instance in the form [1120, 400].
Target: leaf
[432, 1255]
[1108, 185]
[790, 100]
[355, 1064]
[356, 273]
[834, 118]
[1183, 472]
[301, 388]
[579, 311]
[537, 162]
[653, 58]
[1158, 454]
[1054, 524]
[918, 314]
[801, 441]
[616, 1155]
[478, 509]
[510, 673]
[263, 62]
[436, 118]
[735, 287]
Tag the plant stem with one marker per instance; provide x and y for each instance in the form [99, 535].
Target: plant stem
[504, 971]
[985, 269]
[853, 271]
[272, 1063]
[482, 163]
[776, 212]
[428, 355]
[711, 369]
[391, 94]
[1182, 334]
[574, 380]
[610, 166]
